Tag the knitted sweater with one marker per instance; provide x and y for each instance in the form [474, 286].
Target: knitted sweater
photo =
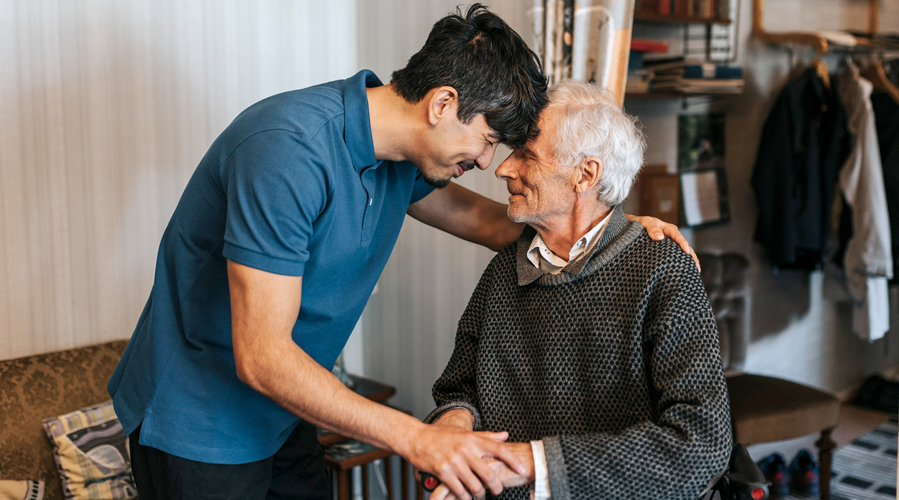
[614, 363]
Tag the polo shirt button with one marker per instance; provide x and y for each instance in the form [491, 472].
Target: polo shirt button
[370, 200]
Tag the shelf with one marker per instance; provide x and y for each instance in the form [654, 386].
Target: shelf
[674, 95]
[658, 18]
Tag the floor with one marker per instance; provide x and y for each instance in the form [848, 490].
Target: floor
[855, 422]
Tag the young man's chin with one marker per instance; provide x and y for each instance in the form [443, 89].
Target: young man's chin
[436, 181]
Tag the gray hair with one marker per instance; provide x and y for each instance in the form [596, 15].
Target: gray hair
[590, 123]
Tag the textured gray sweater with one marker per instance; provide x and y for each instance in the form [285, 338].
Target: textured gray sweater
[614, 363]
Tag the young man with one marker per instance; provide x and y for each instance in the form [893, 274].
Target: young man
[273, 250]
[592, 345]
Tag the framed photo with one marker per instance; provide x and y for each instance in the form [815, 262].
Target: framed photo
[660, 193]
[704, 197]
[700, 141]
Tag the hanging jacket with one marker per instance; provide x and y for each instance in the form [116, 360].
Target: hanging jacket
[803, 145]
[868, 261]
[886, 120]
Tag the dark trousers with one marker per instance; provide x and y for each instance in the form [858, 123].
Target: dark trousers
[296, 471]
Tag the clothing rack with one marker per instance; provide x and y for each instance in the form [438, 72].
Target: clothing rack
[818, 42]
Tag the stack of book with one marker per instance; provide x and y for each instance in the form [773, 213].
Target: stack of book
[706, 9]
[637, 76]
[682, 76]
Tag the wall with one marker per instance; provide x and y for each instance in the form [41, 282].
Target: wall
[105, 109]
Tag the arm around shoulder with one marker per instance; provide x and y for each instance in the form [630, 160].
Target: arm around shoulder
[468, 215]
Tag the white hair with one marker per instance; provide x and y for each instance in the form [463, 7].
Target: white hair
[590, 123]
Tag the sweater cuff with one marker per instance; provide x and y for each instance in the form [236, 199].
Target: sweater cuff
[555, 461]
[454, 405]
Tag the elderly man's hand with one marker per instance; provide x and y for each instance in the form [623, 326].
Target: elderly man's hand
[458, 418]
[659, 230]
[510, 478]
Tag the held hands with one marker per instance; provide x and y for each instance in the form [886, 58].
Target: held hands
[659, 230]
[456, 456]
[507, 476]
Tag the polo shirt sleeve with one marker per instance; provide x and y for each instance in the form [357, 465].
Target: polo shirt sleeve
[276, 190]
[421, 188]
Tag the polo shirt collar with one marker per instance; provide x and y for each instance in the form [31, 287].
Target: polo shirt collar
[357, 126]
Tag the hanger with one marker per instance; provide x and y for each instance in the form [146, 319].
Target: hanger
[822, 71]
[878, 78]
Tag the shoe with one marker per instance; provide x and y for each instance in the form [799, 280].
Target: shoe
[804, 475]
[774, 468]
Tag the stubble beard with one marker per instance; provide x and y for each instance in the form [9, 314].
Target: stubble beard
[436, 182]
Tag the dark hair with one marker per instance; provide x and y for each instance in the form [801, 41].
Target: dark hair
[489, 65]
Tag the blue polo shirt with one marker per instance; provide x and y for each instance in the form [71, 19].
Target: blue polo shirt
[291, 187]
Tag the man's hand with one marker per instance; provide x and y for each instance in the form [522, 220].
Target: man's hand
[457, 457]
[659, 230]
[460, 418]
[509, 478]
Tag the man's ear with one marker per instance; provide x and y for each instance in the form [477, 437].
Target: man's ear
[441, 102]
[589, 171]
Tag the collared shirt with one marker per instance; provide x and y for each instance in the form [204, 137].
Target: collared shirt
[543, 258]
[290, 187]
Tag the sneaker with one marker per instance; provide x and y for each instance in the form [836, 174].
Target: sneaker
[804, 475]
[774, 468]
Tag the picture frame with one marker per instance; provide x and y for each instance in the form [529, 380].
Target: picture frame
[704, 199]
[660, 193]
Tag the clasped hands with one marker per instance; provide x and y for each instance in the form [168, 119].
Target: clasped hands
[508, 477]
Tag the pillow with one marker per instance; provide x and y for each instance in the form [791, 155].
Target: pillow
[21, 490]
[91, 453]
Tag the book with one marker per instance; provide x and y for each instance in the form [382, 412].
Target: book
[567, 37]
[636, 86]
[723, 9]
[661, 64]
[642, 45]
[697, 86]
[664, 7]
[703, 86]
[549, 38]
[712, 71]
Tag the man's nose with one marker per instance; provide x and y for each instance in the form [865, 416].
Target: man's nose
[486, 159]
[505, 170]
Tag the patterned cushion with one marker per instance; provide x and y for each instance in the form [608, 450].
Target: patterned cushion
[91, 454]
[36, 387]
[21, 490]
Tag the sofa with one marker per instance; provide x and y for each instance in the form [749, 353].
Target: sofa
[42, 386]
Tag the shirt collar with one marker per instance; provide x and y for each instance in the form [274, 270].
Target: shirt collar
[543, 258]
[357, 123]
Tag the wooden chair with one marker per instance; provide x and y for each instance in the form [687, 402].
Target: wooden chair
[763, 409]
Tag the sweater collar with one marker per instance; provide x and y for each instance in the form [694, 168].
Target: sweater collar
[618, 225]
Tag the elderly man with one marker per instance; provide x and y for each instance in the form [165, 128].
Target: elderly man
[594, 346]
